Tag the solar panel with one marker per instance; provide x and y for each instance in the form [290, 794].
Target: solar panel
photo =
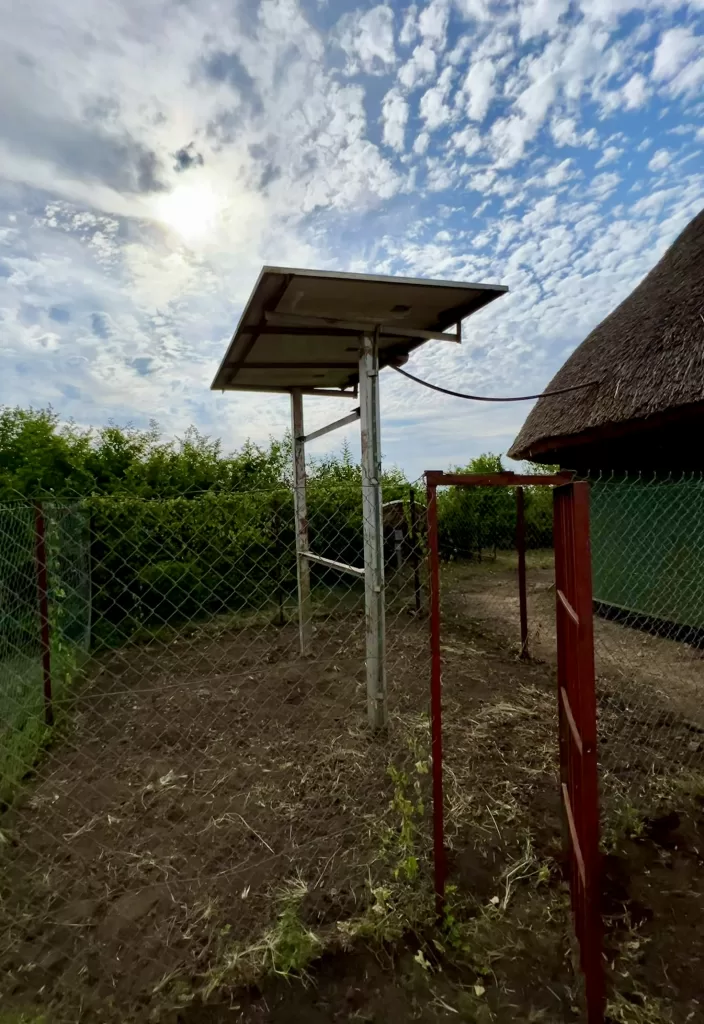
[301, 328]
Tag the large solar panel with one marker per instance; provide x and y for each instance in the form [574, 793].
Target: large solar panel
[301, 328]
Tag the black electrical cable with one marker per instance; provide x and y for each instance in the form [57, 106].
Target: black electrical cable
[483, 398]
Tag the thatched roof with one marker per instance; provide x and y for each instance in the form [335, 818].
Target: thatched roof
[647, 356]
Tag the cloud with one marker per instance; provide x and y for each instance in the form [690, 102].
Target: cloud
[421, 142]
[603, 185]
[558, 174]
[609, 154]
[310, 143]
[432, 23]
[409, 28]
[186, 157]
[675, 48]
[368, 39]
[541, 16]
[419, 68]
[510, 135]
[394, 110]
[479, 87]
[635, 91]
[433, 107]
[660, 160]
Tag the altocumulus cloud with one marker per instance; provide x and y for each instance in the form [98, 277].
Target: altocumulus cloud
[551, 145]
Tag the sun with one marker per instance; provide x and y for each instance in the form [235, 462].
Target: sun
[191, 210]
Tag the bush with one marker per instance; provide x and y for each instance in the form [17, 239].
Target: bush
[169, 591]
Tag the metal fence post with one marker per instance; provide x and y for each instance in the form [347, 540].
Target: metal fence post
[305, 616]
[521, 549]
[415, 562]
[578, 731]
[439, 860]
[43, 601]
[373, 533]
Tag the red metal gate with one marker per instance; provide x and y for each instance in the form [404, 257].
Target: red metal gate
[576, 695]
[577, 725]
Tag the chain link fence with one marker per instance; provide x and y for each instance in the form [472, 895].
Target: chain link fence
[200, 774]
[647, 537]
[202, 780]
[43, 572]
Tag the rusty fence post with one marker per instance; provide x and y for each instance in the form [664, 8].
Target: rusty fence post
[415, 561]
[43, 602]
[521, 549]
[439, 861]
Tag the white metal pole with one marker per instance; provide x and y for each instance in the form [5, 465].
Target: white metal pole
[373, 533]
[305, 617]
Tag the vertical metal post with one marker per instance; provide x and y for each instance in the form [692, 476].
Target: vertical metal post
[300, 507]
[370, 424]
[521, 549]
[414, 546]
[578, 731]
[398, 548]
[439, 863]
[43, 601]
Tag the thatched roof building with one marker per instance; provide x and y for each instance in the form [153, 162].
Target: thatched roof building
[646, 407]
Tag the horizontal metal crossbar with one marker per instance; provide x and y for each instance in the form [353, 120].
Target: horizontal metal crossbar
[436, 478]
[570, 719]
[573, 835]
[568, 607]
[331, 564]
[285, 320]
[342, 422]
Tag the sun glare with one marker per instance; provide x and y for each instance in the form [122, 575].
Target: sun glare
[190, 210]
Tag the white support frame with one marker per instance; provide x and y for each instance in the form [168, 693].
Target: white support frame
[373, 529]
[300, 508]
[370, 424]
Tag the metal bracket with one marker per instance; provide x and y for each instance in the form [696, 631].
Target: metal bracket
[397, 330]
[331, 564]
[342, 422]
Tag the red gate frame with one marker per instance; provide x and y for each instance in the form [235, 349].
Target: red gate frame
[576, 700]
[579, 770]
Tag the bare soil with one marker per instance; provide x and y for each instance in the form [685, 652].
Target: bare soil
[205, 770]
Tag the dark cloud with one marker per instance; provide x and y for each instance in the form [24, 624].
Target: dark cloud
[29, 314]
[187, 157]
[268, 170]
[92, 147]
[5, 271]
[59, 315]
[226, 67]
[99, 325]
[142, 365]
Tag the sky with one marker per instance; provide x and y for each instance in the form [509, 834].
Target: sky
[155, 153]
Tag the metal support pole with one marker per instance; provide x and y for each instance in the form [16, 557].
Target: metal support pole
[521, 549]
[377, 709]
[305, 616]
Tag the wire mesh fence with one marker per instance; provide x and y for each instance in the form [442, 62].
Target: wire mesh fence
[201, 774]
[647, 539]
[648, 566]
[45, 611]
[199, 770]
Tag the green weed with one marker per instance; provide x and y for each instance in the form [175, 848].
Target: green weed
[286, 949]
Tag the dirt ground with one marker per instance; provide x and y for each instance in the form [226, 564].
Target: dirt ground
[218, 811]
